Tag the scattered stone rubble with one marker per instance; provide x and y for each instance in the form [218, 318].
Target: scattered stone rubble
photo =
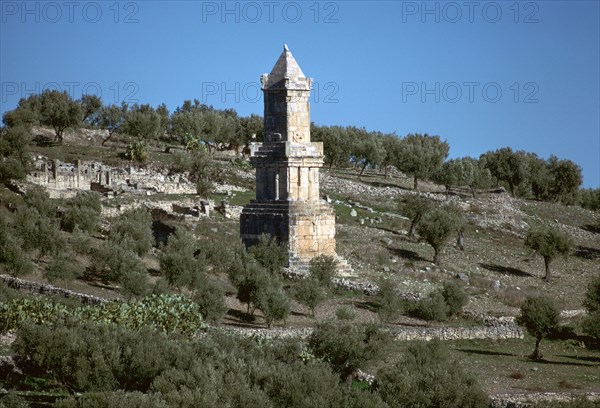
[527, 400]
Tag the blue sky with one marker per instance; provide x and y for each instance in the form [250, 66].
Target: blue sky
[480, 74]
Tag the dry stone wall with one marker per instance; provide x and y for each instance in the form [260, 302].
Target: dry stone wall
[41, 288]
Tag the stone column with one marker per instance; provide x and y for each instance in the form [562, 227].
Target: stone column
[55, 171]
[78, 173]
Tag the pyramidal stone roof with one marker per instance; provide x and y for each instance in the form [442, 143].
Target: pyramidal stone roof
[286, 74]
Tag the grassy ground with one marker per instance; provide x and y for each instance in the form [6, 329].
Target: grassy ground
[504, 366]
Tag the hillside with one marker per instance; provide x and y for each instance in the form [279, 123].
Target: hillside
[495, 268]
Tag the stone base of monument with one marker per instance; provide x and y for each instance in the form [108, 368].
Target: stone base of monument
[307, 228]
[298, 268]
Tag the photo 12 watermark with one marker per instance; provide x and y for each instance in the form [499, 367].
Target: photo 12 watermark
[114, 92]
[525, 12]
[251, 92]
[470, 92]
[27, 12]
[253, 12]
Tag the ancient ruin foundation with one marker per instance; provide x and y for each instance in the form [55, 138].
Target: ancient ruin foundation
[288, 204]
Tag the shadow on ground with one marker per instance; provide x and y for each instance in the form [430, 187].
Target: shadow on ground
[594, 229]
[486, 352]
[407, 254]
[506, 270]
[587, 252]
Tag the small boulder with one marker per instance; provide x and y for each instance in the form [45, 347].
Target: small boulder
[387, 241]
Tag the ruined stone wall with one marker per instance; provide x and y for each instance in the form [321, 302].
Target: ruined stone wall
[63, 180]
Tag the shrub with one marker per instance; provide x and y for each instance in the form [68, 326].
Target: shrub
[426, 376]
[346, 346]
[389, 304]
[309, 293]
[322, 268]
[179, 262]
[344, 313]
[118, 264]
[454, 296]
[137, 151]
[134, 283]
[591, 324]
[65, 269]
[82, 212]
[167, 313]
[431, 308]
[134, 399]
[81, 242]
[133, 230]
[12, 400]
[269, 254]
[13, 257]
[210, 299]
[92, 357]
[39, 199]
[305, 385]
[275, 305]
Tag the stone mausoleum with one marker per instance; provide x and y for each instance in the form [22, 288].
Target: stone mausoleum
[288, 205]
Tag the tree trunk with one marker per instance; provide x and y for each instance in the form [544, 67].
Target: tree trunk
[547, 265]
[106, 140]
[460, 240]
[437, 256]
[415, 183]
[330, 165]
[363, 169]
[473, 192]
[511, 187]
[413, 229]
[536, 352]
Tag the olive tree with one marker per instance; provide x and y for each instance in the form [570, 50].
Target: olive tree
[111, 118]
[64, 268]
[438, 226]
[421, 156]
[179, 262]
[550, 243]
[14, 159]
[591, 324]
[133, 230]
[507, 166]
[310, 293]
[539, 316]
[414, 207]
[59, 111]
[82, 212]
